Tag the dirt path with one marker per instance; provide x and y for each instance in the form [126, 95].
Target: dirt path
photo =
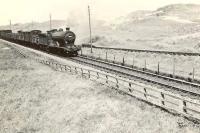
[36, 98]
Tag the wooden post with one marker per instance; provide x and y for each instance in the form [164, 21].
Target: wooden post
[174, 67]
[88, 73]
[70, 69]
[145, 64]
[107, 79]
[193, 74]
[130, 90]
[163, 97]
[123, 61]
[133, 62]
[114, 59]
[97, 75]
[106, 56]
[184, 107]
[158, 67]
[81, 72]
[145, 93]
[117, 83]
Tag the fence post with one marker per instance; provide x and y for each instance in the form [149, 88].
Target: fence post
[174, 67]
[88, 73]
[163, 97]
[107, 79]
[70, 69]
[184, 107]
[117, 83]
[81, 72]
[133, 62]
[65, 68]
[114, 59]
[145, 91]
[76, 70]
[97, 75]
[130, 90]
[106, 56]
[145, 64]
[193, 74]
[158, 67]
[123, 61]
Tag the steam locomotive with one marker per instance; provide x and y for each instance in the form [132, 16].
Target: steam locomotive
[54, 41]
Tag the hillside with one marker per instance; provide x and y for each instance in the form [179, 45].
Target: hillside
[172, 27]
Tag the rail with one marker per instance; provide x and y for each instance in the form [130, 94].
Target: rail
[145, 51]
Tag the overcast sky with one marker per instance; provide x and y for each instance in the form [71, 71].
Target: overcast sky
[21, 11]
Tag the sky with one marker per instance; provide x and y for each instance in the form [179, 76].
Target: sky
[23, 11]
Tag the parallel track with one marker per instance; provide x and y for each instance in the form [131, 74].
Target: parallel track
[126, 72]
[146, 51]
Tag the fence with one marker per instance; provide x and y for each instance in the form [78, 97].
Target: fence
[187, 107]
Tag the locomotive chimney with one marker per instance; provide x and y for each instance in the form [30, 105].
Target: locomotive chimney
[67, 28]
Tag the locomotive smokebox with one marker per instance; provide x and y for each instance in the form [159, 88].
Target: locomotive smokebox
[64, 37]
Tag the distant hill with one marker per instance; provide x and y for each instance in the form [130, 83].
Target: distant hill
[44, 26]
[173, 27]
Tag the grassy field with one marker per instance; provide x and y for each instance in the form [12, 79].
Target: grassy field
[36, 98]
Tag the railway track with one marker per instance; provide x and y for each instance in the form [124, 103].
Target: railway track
[156, 73]
[145, 51]
[171, 84]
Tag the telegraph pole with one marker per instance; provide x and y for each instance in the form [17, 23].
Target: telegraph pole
[10, 25]
[90, 28]
[32, 25]
[50, 21]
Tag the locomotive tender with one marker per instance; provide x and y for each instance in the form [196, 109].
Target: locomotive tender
[54, 41]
